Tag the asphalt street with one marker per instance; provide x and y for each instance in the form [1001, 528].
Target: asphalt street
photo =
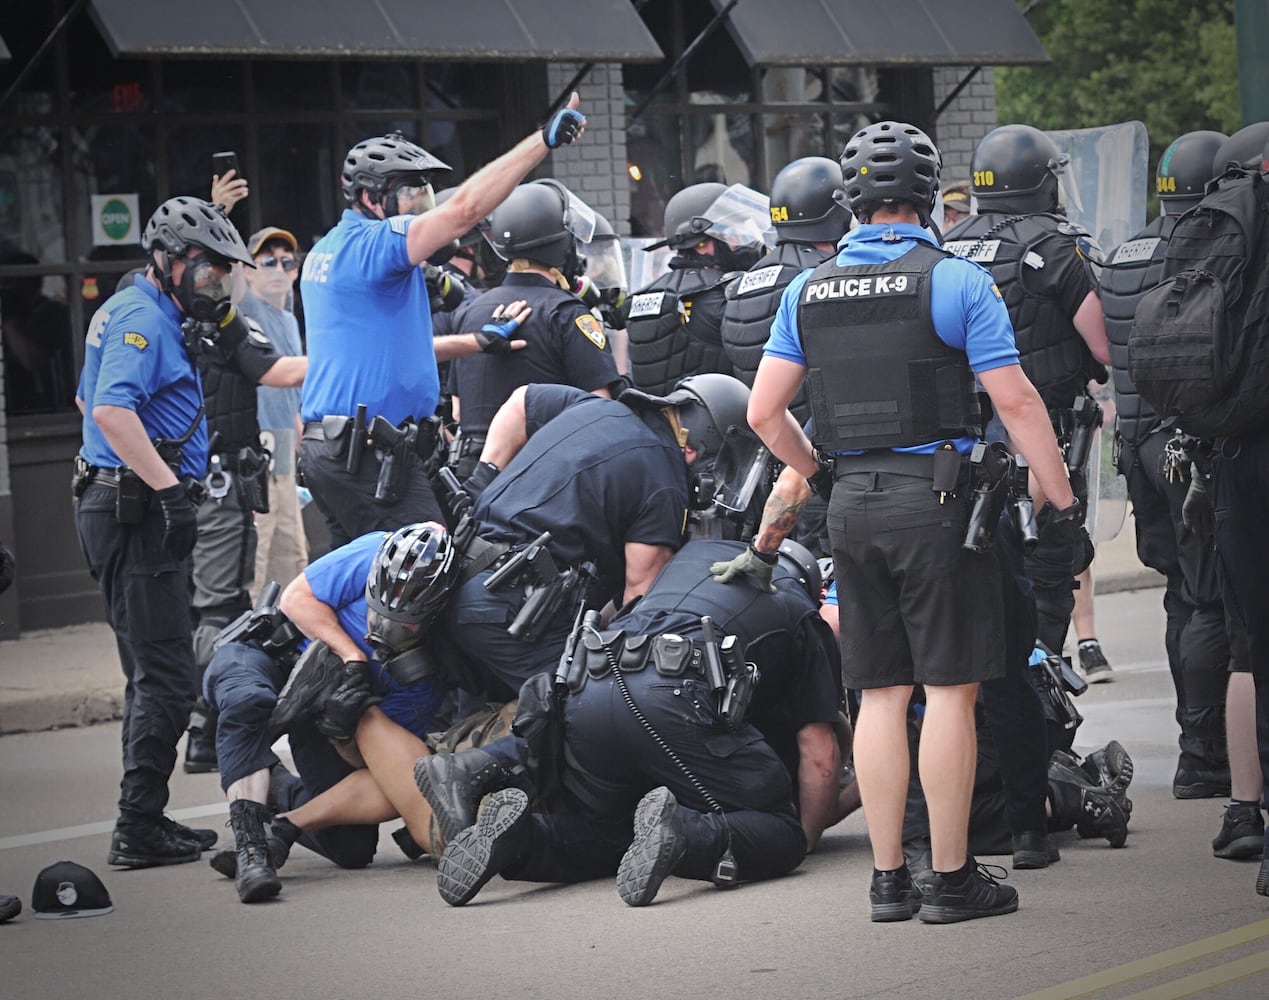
[1159, 918]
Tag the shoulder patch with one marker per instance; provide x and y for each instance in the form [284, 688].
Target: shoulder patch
[136, 340]
[592, 330]
[764, 277]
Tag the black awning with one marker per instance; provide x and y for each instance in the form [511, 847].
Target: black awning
[487, 30]
[883, 33]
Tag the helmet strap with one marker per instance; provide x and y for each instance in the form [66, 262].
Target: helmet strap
[680, 432]
[163, 271]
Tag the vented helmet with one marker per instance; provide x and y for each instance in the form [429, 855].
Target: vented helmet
[408, 584]
[184, 222]
[373, 164]
[887, 162]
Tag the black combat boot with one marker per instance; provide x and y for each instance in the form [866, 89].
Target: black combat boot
[200, 747]
[659, 844]
[1093, 811]
[499, 838]
[281, 835]
[454, 784]
[255, 877]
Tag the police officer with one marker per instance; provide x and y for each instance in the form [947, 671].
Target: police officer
[537, 230]
[605, 289]
[710, 800]
[1040, 264]
[366, 606]
[135, 507]
[675, 323]
[1151, 458]
[367, 310]
[608, 479]
[808, 210]
[875, 327]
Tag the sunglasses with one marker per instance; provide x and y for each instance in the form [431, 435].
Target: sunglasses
[286, 263]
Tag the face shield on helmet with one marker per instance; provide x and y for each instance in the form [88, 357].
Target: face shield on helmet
[739, 221]
[415, 190]
[738, 470]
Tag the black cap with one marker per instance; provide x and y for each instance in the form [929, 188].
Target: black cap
[65, 889]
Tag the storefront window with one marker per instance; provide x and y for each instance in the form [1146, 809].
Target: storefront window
[211, 86]
[379, 86]
[290, 85]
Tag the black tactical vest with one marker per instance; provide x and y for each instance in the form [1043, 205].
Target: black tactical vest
[663, 348]
[230, 398]
[752, 303]
[878, 374]
[1133, 269]
[1051, 352]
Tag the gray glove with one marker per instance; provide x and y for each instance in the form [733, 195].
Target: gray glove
[1196, 509]
[749, 563]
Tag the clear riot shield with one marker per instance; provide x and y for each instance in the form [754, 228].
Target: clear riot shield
[644, 266]
[1104, 184]
[1107, 490]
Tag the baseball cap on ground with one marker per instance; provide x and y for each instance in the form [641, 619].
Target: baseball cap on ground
[65, 890]
[258, 239]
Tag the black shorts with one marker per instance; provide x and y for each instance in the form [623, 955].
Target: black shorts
[915, 606]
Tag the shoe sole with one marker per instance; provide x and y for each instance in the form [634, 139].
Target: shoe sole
[890, 913]
[1103, 676]
[1249, 848]
[657, 847]
[1200, 790]
[264, 886]
[465, 866]
[1262, 880]
[447, 820]
[932, 914]
[1030, 860]
[118, 860]
[196, 768]
[1119, 763]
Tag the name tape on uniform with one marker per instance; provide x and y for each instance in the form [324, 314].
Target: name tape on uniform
[764, 277]
[978, 250]
[1134, 251]
[647, 304]
[857, 288]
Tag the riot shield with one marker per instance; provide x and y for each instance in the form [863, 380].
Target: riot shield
[1104, 184]
[644, 266]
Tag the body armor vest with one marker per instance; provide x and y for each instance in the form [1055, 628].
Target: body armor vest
[752, 303]
[879, 375]
[230, 398]
[1051, 352]
[663, 348]
[1133, 269]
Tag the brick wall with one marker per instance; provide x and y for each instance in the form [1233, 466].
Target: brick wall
[595, 168]
[967, 119]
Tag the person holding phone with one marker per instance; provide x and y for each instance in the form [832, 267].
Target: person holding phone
[368, 317]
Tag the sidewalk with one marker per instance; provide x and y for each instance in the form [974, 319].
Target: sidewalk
[71, 677]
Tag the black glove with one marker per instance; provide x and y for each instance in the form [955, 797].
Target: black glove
[751, 562]
[495, 337]
[483, 475]
[822, 481]
[1197, 512]
[1085, 551]
[180, 523]
[344, 707]
[565, 126]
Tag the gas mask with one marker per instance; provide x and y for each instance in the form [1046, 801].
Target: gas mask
[204, 289]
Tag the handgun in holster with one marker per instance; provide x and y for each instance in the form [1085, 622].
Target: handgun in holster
[253, 477]
[742, 678]
[520, 562]
[545, 591]
[1023, 507]
[265, 626]
[1086, 417]
[395, 448]
[992, 467]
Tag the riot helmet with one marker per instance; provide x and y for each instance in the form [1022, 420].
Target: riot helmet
[542, 221]
[707, 405]
[604, 284]
[179, 224]
[1184, 170]
[735, 217]
[408, 584]
[798, 562]
[888, 162]
[382, 164]
[1016, 168]
[686, 215]
[808, 201]
[1245, 147]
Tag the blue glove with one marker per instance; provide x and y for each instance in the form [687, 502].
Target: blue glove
[563, 128]
[495, 337]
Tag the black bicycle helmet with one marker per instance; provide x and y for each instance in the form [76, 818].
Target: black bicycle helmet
[887, 162]
[374, 163]
[408, 584]
[1185, 168]
[808, 201]
[1015, 169]
[707, 405]
[184, 222]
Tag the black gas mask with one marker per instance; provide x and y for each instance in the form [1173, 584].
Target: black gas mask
[204, 289]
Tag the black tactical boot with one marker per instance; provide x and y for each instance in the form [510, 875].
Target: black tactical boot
[499, 838]
[200, 748]
[204, 838]
[1110, 767]
[1076, 801]
[255, 877]
[660, 842]
[316, 676]
[10, 907]
[1034, 849]
[281, 835]
[1242, 835]
[454, 784]
[1199, 779]
[149, 844]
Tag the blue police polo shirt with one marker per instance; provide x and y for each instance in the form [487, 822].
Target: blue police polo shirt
[965, 304]
[338, 580]
[368, 320]
[135, 358]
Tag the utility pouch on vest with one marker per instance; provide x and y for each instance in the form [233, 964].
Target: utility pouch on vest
[336, 430]
[253, 477]
[132, 498]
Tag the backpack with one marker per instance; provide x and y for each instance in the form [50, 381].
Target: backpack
[1199, 347]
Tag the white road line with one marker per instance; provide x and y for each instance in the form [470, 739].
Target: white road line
[93, 829]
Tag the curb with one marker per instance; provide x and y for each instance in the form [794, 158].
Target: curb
[33, 714]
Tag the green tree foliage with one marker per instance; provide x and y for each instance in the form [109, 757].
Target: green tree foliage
[1171, 64]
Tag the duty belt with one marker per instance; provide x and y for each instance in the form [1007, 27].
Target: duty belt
[903, 463]
[479, 556]
[313, 431]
